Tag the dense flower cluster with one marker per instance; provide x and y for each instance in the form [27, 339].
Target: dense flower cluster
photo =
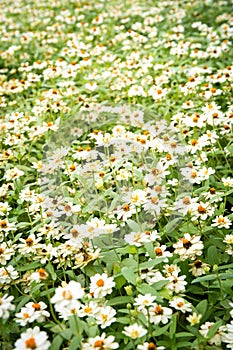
[116, 175]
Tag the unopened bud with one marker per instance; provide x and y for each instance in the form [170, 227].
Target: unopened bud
[128, 290]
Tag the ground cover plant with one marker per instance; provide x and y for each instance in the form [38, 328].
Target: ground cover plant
[116, 175]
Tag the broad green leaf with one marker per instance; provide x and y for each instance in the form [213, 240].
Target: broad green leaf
[171, 225]
[133, 225]
[172, 327]
[150, 249]
[183, 345]
[31, 266]
[202, 307]
[75, 325]
[129, 274]
[50, 269]
[56, 343]
[120, 300]
[75, 343]
[212, 255]
[184, 334]
[160, 330]
[151, 263]
[205, 278]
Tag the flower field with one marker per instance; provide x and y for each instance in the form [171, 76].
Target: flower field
[116, 175]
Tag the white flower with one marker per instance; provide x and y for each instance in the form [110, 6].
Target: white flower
[136, 238]
[177, 283]
[6, 252]
[136, 90]
[88, 310]
[32, 312]
[91, 86]
[221, 221]
[228, 239]
[6, 306]
[105, 316]
[7, 226]
[157, 92]
[228, 336]
[180, 304]
[199, 268]
[150, 346]
[202, 211]
[66, 299]
[101, 285]
[136, 197]
[32, 339]
[39, 275]
[13, 174]
[227, 181]
[134, 331]
[144, 301]
[185, 204]
[194, 318]
[188, 247]
[217, 338]
[100, 343]
[159, 313]
[30, 244]
[7, 274]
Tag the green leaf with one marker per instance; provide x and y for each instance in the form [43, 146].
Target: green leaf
[183, 345]
[225, 267]
[123, 320]
[212, 255]
[204, 278]
[91, 331]
[171, 225]
[133, 225]
[129, 262]
[32, 266]
[120, 300]
[202, 307]
[50, 269]
[129, 274]
[226, 275]
[160, 284]
[56, 343]
[151, 263]
[75, 343]
[120, 281]
[66, 334]
[172, 328]
[23, 301]
[160, 330]
[213, 329]
[194, 331]
[184, 334]
[75, 325]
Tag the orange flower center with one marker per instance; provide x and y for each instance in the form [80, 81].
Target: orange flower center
[186, 243]
[158, 252]
[99, 344]
[201, 209]
[66, 294]
[30, 343]
[36, 306]
[151, 346]
[100, 283]
[186, 200]
[158, 310]
[29, 242]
